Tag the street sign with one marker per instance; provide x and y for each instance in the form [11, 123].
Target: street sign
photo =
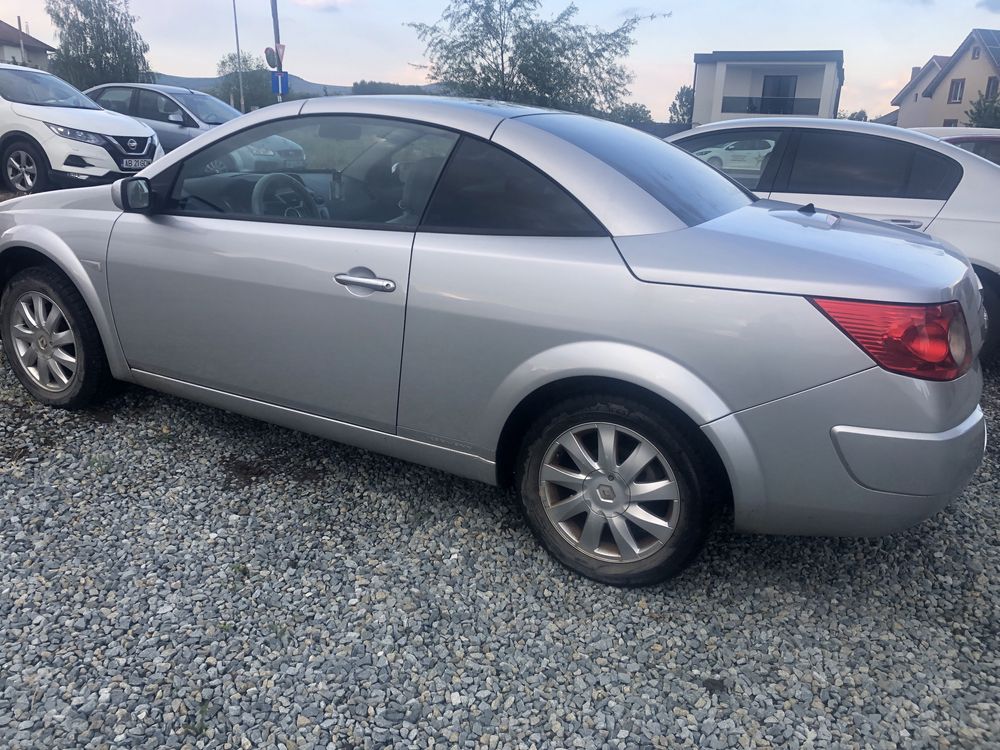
[279, 82]
[271, 56]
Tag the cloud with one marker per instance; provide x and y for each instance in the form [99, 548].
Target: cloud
[324, 5]
[993, 6]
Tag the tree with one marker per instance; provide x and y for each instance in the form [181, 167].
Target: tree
[381, 87]
[984, 112]
[503, 49]
[256, 81]
[98, 42]
[631, 113]
[860, 115]
[682, 108]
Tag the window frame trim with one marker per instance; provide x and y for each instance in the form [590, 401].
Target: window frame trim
[961, 90]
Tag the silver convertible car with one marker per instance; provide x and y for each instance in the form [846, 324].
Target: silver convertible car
[526, 298]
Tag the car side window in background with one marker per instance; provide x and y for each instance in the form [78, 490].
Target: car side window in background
[325, 169]
[153, 106]
[743, 155]
[116, 99]
[834, 163]
[486, 190]
[986, 149]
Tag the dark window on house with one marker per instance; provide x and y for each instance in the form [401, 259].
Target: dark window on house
[915, 96]
[950, 123]
[831, 163]
[975, 53]
[992, 87]
[956, 91]
[486, 190]
[778, 95]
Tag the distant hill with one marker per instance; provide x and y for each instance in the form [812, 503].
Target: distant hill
[295, 84]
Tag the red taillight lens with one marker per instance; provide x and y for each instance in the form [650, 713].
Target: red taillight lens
[923, 341]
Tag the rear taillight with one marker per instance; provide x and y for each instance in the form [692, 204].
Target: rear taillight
[923, 341]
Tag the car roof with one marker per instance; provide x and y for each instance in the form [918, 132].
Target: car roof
[8, 66]
[160, 87]
[948, 134]
[850, 126]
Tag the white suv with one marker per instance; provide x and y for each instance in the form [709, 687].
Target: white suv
[906, 178]
[51, 135]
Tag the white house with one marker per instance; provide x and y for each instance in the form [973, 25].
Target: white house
[940, 92]
[728, 85]
[36, 53]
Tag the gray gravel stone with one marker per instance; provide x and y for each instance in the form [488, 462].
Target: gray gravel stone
[175, 576]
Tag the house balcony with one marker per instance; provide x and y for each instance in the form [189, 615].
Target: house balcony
[770, 105]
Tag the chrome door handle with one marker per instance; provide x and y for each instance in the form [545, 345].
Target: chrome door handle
[379, 285]
[908, 223]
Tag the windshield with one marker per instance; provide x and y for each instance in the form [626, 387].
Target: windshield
[208, 109]
[42, 89]
[691, 189]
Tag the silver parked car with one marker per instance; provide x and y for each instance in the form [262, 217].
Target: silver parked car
[177, 115]
[522, 297]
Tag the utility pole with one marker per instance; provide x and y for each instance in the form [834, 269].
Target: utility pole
[239, 59]
[277, 37]
[20, 36]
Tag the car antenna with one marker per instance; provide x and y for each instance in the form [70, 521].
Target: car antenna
[809, 208]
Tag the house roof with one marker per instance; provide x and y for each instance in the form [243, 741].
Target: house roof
[988, 39]
[934, 64]
[11, 36]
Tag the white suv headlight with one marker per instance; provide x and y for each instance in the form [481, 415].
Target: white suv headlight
[76, 135]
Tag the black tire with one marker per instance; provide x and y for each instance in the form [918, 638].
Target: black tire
[690, 473]
[41, 182]
[991, 301]
[92, 377]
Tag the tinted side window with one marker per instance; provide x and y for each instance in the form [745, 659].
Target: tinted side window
[154, 106]
[986, 149]
[831, 163]
[485, 190]
[932, 175]
[326, 169]
[730, 151]
[117, 100]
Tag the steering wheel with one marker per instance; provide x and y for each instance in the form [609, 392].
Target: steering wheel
[280, 194]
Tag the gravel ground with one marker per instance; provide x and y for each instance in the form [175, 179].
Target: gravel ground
[172, 575]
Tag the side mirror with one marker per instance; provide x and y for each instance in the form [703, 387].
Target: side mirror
[176, 117]
[133, 195]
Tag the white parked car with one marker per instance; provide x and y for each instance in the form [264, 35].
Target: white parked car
[51, 135]
[904, 177]
[742, 155]
[984, 142]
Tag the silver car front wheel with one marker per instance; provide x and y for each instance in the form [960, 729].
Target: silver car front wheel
[43, 341]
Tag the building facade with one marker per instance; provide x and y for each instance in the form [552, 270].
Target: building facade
[730, 85]
[36, 52]
[940, 92]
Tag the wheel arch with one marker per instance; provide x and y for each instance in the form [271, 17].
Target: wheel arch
[26, 246]
[19, 135]
[689, 404]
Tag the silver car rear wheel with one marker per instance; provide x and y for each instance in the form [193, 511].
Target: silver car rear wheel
[610, 492]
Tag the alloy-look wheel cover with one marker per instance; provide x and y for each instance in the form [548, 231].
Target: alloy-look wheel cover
[22, 171]
[609, 492]
[43, 342]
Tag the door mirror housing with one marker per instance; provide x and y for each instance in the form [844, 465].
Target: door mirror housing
[176, 117]
[133, 195]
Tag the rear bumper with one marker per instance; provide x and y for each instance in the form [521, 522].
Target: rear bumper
[867, 455]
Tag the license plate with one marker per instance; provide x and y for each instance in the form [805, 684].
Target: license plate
[136, 163]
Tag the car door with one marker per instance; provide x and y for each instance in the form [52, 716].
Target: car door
[172, 125]
[868, 175]
[749, 155]
[287, 287]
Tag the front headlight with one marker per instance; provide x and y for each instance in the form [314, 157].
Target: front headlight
[76, 135]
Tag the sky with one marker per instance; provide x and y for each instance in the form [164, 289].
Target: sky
[342, 41]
